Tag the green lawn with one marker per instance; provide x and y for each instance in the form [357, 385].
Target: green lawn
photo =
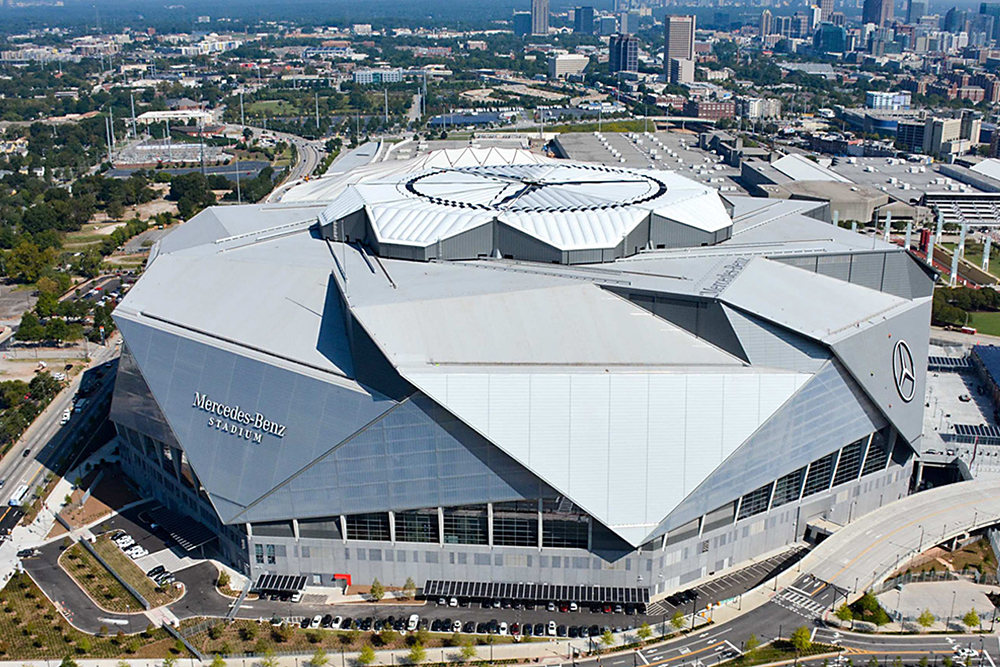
[985, 322]
[974, 255]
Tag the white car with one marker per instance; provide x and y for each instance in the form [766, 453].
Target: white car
[336, 623]
[503, 628]
[574, 606]
[452, 602]
[66, 416]
[124, 542]
[456, 625]
[314, 624]
[551, 630]
[412, 622]
[136, 552]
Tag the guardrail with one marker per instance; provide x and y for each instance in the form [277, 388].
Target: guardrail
[127, 586]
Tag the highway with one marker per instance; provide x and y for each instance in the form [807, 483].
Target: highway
[310, 154]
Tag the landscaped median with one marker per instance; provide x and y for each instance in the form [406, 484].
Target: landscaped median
[101, 585]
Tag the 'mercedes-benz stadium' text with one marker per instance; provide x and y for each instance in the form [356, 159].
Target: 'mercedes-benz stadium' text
[244, 421]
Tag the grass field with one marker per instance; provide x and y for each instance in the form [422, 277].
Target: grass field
[985, 322]
[974, 255]
[777, 651]
[606, 126]
[104, 588]
[32, 629]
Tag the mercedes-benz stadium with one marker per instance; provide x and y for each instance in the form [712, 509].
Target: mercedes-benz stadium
[485, 365]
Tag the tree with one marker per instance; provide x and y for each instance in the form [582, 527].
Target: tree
[169, 661]
[417, 654]
[801, 639]
[608, 638]
[367, 655]
[926, 619]
[644, 632]
[218, 661]
[678, 620]
[68, 662]
[377, 591]
[844, 613]
[223, 579]
[270, 660]
[178, 646]
[971, 619]
[468, 650]
[751, 645]
[30, 328]
[318, 658]
[410, 588]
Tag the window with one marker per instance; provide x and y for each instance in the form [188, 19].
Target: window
[258, 553]
[374, 526]
[850, 462]
[563, 524]
[466, 525]
[787, 489]
[755, 502]
[515, 524]
[878, 453]
[417, 526]
[270, 554]
[820, 472]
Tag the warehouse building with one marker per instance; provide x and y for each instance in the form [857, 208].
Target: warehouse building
[484, 365]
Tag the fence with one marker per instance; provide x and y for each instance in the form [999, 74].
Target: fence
[176, 635]
[127, 586]
[974, 576]
[207, 624]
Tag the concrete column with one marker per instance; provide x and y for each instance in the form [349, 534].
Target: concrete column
[986, 253]
[441, 526]
[954, 259]
[888, 226]
[249, 530]
[909, 234]
[295, 529]
[539, 524]
[836, 217]
[343, 528]
[392, 527]
[489, 524]
[854, 226]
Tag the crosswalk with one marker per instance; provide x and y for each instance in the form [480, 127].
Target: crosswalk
[798, 602]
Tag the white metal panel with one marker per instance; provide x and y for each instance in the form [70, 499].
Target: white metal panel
[703, 450]
[468, 397]
[589, 479]
[667, 423]
[629, 445]
[549, 417]
[778, 388]
[741, 410]
[510, 420]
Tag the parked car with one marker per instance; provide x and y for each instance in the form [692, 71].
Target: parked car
[327, 621]
[414, 620]
[337, 623]
[316, 621]
[551, 630]
[156, 571]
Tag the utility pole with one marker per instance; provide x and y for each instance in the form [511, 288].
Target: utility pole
[243, 120]
[107, 136]
[135, 130]
[386, 91]
[317, 109]
[239, 194]
[201, 143]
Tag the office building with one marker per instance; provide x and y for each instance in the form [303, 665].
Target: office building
[916, 10]
[766, 24]
[522, 24]
[826, 10]
[681, 71]
[879, 12]
[875, 99]
[623, 54]
[539, 17]
[562, 65]
[678, 33]
[583, 21]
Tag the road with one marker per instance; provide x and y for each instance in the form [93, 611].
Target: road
[46, 436]
[310, 154]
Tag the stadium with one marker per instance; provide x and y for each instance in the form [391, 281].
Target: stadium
[484, 365]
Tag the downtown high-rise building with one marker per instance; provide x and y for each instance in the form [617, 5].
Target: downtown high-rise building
[583, 21]
[623, 53]
[539, 17]
[991, 9]
[766, 23]
[917, 9]
[678, 32]
[825, 10]
[878, 12]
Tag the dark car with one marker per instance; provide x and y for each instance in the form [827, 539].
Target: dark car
[481, 628]
[436, 625]
[326, 622]
[399, 625]
[595, 631]
[574, 632]
[366, 623]
[25, 453]
[629, 610]
[527, 630]
[469, 627]
[378, 625]
[584, 631]
[539, 629]
[28, 553]
[156, 571]
[561, 631]
[305, 622]
[346, 623]
[595, 609]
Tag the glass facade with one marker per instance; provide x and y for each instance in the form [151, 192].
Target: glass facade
[849, 465]
[417, 526]
[878, 452]
[563, 525]
[756, 501]
[820, 474]
[788, 488]
[466, 525]
[515, 524]
[373, 527]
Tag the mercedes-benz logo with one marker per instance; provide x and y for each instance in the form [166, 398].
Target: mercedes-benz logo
[903, 372]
